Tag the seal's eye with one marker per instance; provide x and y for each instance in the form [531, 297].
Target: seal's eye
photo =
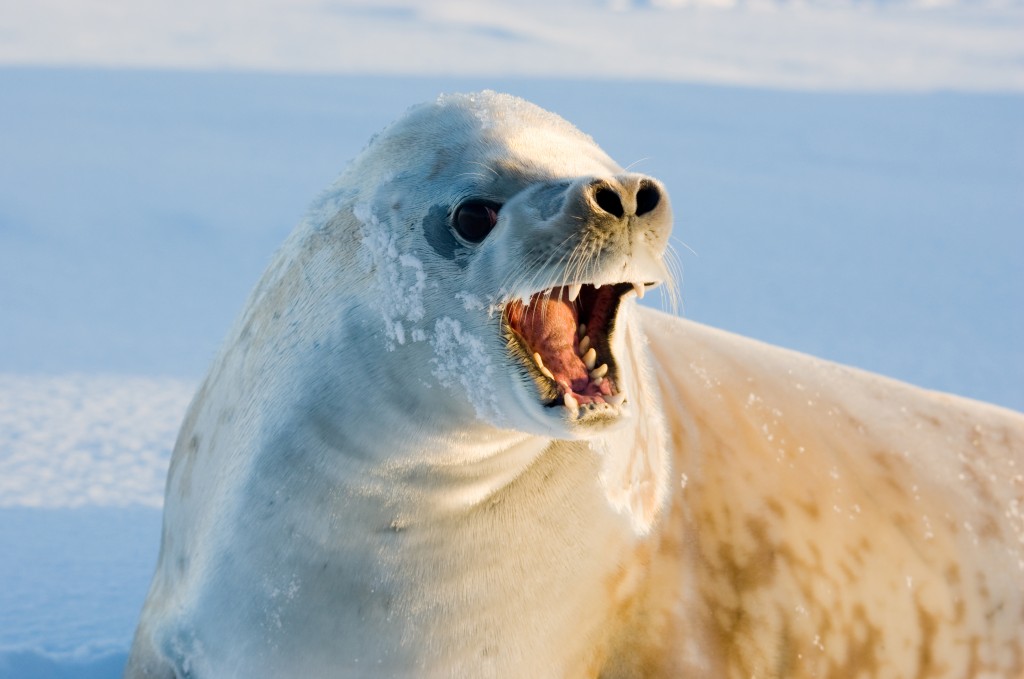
[475, 219]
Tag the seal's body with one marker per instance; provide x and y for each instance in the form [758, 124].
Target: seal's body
[443, 440]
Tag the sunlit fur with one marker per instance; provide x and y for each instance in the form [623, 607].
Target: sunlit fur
[366, 484]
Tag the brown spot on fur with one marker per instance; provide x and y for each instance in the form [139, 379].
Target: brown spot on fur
[187, 449]
[640, 645]
[190, 454]
[989, 528]
[775, 507]
[883, 460]
[864, 644]
[928, 625]
[810, 508]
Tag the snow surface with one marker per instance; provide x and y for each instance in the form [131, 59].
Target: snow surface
[78, 440]
[138, 207]
[73, 584]
[864, 44]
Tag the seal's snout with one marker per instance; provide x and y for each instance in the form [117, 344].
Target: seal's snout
[624, 196]
[621, 212]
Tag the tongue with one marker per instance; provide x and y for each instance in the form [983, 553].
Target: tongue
[549, 326]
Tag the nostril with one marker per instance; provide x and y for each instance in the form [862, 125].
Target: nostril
[647, 198]
[609, 201]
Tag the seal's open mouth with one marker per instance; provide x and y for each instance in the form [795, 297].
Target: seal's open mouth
[563, 338]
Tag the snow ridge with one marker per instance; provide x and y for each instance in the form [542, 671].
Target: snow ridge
[78, 440]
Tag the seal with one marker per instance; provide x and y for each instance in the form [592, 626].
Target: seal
[444, 440]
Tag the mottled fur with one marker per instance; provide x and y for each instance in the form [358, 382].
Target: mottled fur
[367, 485]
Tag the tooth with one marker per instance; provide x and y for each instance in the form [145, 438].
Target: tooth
[538, 360]
[571, 403]
[590, 358]
[584, 344]
[639, 288]
[599, 371]
[582, 329]
[597, 381]
[546, 373]
[615, 399]
[574, 291]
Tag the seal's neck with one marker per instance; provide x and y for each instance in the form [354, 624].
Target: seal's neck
[520, 544]
[475, 541]
[467, 476]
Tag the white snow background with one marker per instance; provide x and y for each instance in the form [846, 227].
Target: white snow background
[848, 180]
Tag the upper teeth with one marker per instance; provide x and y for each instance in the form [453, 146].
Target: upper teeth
[597, 374]
[540, 366]
[573, 291]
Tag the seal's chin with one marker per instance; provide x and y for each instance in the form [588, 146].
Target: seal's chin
[561, 337]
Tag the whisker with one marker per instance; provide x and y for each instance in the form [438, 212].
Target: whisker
[635, 163]
[486, 167]
[692, 251]
[471, 174]
[532, 271]
[672, 290]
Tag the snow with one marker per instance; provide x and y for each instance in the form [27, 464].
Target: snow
[924, 44]
[462, 359]
[87, 440]
[401, 279]
[74, 580]
[861, 201]
[82, 465]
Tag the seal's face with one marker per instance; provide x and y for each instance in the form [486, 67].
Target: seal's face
[589, 244]
[536, 242]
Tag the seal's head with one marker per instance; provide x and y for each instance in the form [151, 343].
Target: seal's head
[509, 244]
